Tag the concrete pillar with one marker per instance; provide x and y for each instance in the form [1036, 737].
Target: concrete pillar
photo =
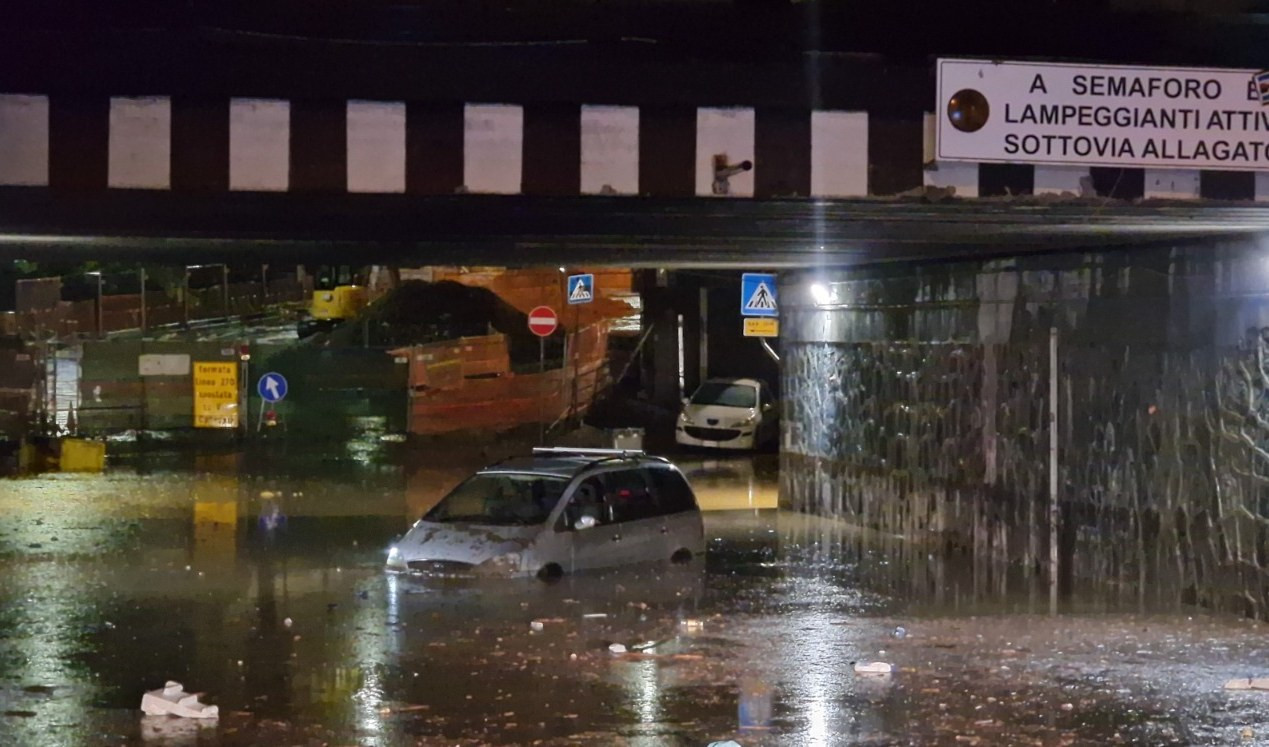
[665, 356]
[661, 352]
[674, 354]
[702, 362]
[688, 306]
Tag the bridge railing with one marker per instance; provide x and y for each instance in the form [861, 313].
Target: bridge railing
[122, 312]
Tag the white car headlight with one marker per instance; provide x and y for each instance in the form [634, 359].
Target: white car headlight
[683, 417]
[505, 563]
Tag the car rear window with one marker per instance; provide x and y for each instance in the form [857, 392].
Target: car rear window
[673, 494]
[630, 495]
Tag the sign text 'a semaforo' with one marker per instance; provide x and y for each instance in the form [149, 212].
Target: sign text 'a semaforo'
[1096, 115]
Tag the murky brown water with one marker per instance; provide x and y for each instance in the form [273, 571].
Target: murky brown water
[189, 568]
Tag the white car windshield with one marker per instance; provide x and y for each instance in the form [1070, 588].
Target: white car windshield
[500, 500]
[727, 395]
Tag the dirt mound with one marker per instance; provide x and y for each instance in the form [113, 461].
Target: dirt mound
[418, 312]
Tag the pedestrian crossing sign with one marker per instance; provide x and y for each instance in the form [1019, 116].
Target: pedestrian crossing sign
[581, 288]
[758, 294]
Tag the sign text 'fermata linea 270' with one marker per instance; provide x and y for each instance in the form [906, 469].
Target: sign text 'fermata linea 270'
[1100, 115]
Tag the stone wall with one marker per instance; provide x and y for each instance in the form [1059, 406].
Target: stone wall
[917, 403]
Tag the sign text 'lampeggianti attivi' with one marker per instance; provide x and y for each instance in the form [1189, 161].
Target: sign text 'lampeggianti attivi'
[1097, 115]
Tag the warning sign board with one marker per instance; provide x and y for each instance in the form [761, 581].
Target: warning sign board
[1101, 115]
[215, 394]
[762, 327]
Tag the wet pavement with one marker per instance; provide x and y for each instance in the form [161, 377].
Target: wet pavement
[260, 585]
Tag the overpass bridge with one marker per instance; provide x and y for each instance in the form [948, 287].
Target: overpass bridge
[637, 232]
[937, 317]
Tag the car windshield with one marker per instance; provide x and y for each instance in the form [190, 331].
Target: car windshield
[500, 499]
[727, 395]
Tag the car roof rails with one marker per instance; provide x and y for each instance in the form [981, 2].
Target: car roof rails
[601, 455]
[569, 451]
[564, 451]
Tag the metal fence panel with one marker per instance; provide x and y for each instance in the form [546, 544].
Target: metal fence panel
[115, 396]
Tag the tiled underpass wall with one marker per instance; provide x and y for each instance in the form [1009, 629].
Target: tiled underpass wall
[917, 399]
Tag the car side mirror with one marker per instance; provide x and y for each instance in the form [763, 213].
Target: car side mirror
[768, 407]
[585, 522]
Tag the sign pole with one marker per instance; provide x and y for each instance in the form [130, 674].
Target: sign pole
[541, 388]
[1055, 515]
[572, 408]
[542, 322]
[578, 289]
[245, 420]
[141, 272]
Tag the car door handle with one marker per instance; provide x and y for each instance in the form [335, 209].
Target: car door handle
[616, 538]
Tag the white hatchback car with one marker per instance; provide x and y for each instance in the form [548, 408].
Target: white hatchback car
[559, 511]
[728, 414]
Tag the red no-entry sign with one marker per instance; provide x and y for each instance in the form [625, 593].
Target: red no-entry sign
[543, 321]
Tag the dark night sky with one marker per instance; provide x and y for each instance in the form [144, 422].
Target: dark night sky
[709, 28]
[707, 52]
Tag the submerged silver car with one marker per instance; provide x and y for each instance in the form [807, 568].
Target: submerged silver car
[558, 511]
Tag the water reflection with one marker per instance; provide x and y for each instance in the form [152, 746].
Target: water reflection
[755, 710]
[264, 590]
[176, 732]
[267, 673]
[732, 483]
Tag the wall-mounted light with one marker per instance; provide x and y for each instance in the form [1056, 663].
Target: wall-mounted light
[820, 294]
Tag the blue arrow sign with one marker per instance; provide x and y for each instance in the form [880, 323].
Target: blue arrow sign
[272, 387]
[758, 294]
[581, 288]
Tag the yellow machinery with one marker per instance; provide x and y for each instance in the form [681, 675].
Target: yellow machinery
[337, 296]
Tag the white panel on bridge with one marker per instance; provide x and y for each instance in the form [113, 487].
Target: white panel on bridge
[963, 177]
[259, 145]
[1054, 180]
[839, 154]
[376, 146]
[726, 132]
[1262, 186]
[140, 150]
[1172, 184]
[493, 148]
[24, 140]
[610, 149]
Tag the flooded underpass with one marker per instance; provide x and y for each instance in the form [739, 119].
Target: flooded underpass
[263, 588]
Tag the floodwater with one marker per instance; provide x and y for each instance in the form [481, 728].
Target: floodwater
[257, 581]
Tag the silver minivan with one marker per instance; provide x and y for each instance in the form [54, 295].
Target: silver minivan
[558, 511]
